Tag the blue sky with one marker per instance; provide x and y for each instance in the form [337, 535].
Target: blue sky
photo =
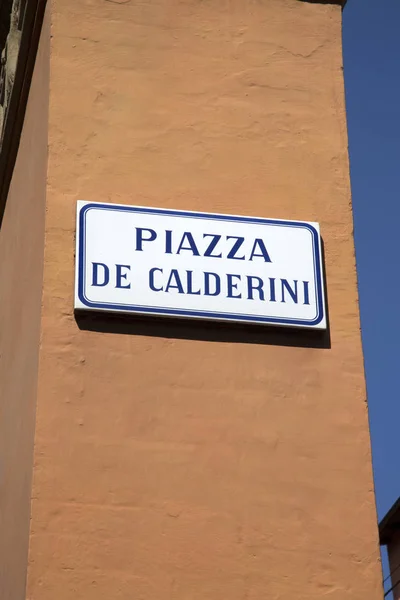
[371, 37]
[371, 33]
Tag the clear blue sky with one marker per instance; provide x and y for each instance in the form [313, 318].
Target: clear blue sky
[371, 32]
[371, 35]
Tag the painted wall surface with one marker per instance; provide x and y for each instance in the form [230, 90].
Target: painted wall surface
[21, 275]
[182, 461]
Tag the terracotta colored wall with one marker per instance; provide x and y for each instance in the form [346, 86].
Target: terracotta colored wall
[181, 462]
[21, 274]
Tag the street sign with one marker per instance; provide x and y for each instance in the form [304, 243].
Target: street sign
[153, 261]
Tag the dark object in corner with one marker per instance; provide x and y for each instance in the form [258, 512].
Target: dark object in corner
[340, 2]
[390, 524]
[21, 28]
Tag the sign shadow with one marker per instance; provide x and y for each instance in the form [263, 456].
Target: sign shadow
[209, 331]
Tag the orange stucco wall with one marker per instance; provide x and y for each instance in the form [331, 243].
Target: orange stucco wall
[21, 274]
[186, 462]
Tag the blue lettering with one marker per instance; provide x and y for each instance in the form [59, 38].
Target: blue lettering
[140, 238]
[306, 292]
[257, 285]
[120, 276]
[168, 241]
[217, 284]
[95, 274]
[292, 293]
[258, 243]
[272, 295]
[174, 278]
[232, 286]
[235, 247]
[151, 280]
[190, 284]
[192, 244]
[212, 244]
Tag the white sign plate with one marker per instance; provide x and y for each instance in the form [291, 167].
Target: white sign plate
[152, 261]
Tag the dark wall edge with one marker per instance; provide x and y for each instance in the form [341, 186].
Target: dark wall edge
[31, 29]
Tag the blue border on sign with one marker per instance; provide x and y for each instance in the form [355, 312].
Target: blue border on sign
[223, 316]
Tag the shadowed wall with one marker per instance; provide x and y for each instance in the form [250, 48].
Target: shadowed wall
[21, 275]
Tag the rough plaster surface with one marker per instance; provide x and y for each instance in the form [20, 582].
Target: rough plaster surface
[21, 274]
[187, 468]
